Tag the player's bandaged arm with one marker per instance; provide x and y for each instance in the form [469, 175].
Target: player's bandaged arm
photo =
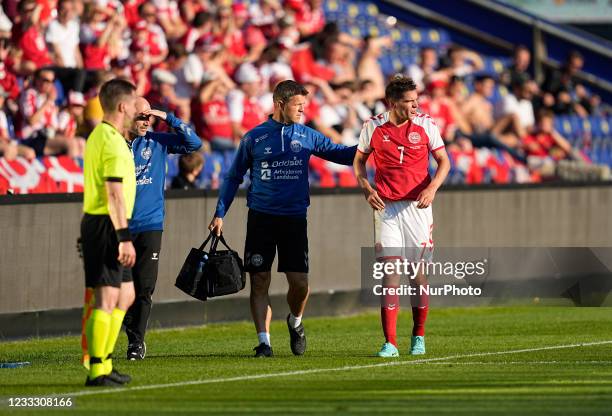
[116, 206]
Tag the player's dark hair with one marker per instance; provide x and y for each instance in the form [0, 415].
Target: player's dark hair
[397, 87]
[189, 162]
[287, 89]
[113, 92]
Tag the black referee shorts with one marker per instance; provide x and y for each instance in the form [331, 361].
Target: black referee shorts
[100, 252]
[267, 233]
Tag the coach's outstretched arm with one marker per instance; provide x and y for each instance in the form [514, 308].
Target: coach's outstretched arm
[428, 194]
[359, 166]
[333, 152]
[233, 179]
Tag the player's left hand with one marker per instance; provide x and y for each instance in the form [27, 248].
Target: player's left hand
[426, 197]
[156, 113]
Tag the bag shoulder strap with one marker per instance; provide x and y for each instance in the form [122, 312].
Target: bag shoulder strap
[222, 239]
[206, 241]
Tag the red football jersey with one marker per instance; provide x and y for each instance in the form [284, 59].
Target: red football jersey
[401, 154]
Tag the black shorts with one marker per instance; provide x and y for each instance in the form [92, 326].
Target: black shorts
[100, 252]
[144, 273]
[266, 233]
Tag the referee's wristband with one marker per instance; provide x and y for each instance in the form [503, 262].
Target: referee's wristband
[123, 235]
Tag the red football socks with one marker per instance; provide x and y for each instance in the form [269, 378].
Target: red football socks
[388, 316]
[420, 307]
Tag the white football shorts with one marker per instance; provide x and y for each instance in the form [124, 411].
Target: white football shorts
[402, 230]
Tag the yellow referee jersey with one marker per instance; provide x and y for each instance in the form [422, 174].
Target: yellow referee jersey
[107, 156]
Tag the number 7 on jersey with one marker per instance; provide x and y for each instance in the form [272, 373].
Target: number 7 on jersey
[401, 149]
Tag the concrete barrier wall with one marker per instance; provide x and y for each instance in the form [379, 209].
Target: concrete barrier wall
[40, 270]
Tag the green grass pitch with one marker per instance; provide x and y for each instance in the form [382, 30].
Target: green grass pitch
[480, 361]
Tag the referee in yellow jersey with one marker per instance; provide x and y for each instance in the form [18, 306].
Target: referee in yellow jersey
[110, 189]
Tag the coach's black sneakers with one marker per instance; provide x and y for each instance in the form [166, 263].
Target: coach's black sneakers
[136, 351]
[102, 381]
[118, 377]
[298, 338]
[263, 350]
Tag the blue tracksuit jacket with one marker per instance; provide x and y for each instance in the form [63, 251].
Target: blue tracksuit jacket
[150, 156]
[277, 155]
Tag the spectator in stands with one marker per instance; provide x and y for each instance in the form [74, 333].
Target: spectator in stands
[265, 14]
[477, 109]
[206, 62]
[254, 39]
[226, 33]
[139, 64]
[481, 129]
[562, 84]
[9, 147]
[147, 31]
[519, 69]
[368, 102]
[201, 25]
[121, 68]
[545, 141]
[288, 30]
[309, 15]
[461, 62]
[274, 63]
[168, 15]
[8, 79]
[100, 35]
[427, 65]
[176, 63]
[340, 57]
[35, 53]
[40, 115]
[369, 67]
[243, 103]
[93, 108]
[214, 124]
[458, 95]
[516, 115]
[163, 97]
[67, 124]
[438, 106]
[190, 166]
[63, 37]
[341, 115]
[319, 93]
[5, 23]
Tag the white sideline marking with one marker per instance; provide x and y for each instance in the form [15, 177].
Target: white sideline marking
[319, 370]
[517, 362]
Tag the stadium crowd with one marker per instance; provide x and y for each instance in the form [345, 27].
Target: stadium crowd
[215, 62]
